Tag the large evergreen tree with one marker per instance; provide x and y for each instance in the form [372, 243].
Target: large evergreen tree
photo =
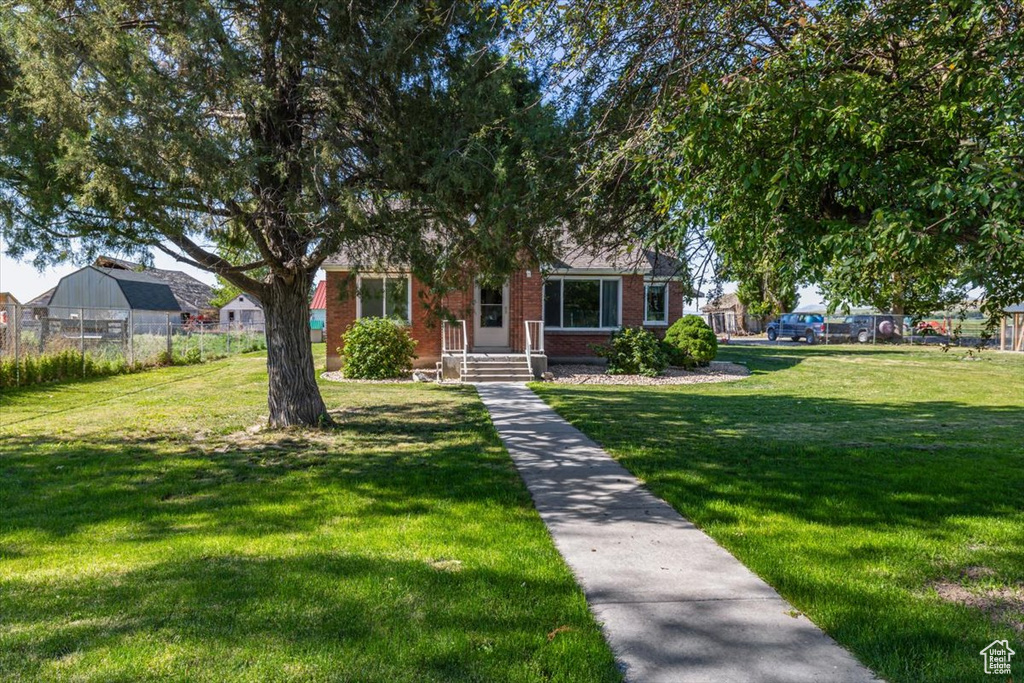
[255, 138]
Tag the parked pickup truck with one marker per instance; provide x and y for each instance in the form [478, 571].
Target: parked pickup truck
[864, 328]
[797, 326]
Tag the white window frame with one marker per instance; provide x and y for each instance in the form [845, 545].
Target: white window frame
[561, 312]
[385, 277]
[647, 320]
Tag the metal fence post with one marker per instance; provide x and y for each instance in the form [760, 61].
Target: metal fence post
[17, 343]
[131, 337]
[874, 329]
[202, 350]
[170, 343]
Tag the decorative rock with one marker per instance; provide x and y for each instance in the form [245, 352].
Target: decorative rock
[718, 371]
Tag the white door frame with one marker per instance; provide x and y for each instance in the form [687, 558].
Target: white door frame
[490, 337]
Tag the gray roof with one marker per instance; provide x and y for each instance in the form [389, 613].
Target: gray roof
[572, 258]
[41, 301]
[615, 258]
[191, 294]
[143, 292]
[725, 302]
[1016, 308]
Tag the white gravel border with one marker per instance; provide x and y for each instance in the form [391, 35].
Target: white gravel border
[337, 376]
[718, 371]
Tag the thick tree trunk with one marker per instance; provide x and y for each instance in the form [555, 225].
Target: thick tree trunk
[293, 398]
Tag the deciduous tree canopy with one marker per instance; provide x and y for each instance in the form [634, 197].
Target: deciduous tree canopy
[874, 147]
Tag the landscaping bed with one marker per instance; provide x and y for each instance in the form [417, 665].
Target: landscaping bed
[597, 374]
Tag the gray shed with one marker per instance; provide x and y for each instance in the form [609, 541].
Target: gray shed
[115, 291]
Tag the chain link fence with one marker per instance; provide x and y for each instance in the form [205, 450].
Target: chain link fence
[118, 338]
[863, 328]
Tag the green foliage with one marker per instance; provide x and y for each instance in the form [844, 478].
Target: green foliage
[285, 132]
[377, 348]
[69, 365]
[634, 351]
[690, 342]
[56, 367]
[872, 148]
[766, 294]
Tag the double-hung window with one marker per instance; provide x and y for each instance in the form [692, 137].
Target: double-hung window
[656, 303]
[582, 303]
[384, 296]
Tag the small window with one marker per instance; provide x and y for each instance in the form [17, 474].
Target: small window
[656, 303]
[384, 297]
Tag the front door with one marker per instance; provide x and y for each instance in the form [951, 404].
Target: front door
[490, 327]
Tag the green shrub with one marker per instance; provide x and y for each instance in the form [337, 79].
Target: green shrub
[689, 342]
[633, 351]
[377, 348]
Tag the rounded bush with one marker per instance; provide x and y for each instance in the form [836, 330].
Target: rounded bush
[634, 351]
[377, 348]
[689, 342]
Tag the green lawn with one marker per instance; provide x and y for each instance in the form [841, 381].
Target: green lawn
[144, 535]
[860, 483]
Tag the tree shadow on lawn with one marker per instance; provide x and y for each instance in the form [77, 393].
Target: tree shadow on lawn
[389, 461]
[831, 462]
[852, 510]
[399, 545]
[345, 616]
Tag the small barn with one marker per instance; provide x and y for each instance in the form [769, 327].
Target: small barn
[35, 309]
[193, 296]
[728, 315]
[1011, 330]
[242, 310]
[94, 293]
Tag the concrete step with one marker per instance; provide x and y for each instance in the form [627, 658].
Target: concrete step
[496, 367]
[523, 376]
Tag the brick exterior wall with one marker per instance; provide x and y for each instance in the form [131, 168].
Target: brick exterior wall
[425, 327]
[572, 344]
[526, 294]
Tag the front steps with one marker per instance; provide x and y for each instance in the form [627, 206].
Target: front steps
[494, 367]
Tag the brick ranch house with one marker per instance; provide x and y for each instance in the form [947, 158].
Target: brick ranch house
[557, 311]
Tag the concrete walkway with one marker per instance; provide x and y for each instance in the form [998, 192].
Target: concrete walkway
[674, 605]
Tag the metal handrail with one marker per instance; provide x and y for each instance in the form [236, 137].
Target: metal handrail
[452, 343]
[529, 362]
[529, 339]
[465, 348]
